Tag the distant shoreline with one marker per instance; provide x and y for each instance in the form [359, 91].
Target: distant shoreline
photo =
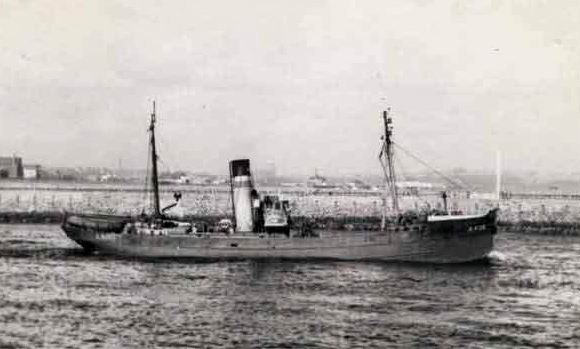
[135, 187]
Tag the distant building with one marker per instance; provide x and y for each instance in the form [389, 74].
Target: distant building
[31, 171]
[319, 182]
[358, 184]
[108, 177]
[201, 180]
[219, 181]
[11, 167]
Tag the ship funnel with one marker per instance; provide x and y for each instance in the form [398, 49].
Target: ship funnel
[241, 185]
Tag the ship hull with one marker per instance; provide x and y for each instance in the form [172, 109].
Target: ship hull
[441, 241]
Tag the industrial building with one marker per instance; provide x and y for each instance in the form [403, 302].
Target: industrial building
[11, 167]
[31, 171]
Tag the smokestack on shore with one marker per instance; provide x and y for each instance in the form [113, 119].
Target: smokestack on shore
[241, 184]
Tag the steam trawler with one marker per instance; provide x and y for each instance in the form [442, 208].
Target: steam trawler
[262, 228]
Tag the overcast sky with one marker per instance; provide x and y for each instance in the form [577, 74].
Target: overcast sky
[298, 83]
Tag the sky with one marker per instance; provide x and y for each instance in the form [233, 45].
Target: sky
[301, 84]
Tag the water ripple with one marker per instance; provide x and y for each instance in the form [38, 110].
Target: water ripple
[53, 295]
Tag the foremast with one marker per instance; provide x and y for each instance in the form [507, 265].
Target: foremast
[386, 157]
[154, 175]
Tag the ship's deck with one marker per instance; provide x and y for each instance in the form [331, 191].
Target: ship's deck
[452, 217]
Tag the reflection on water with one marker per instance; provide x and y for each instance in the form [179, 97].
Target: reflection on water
[54, 295]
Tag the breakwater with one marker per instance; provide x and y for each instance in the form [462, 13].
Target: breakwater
[321, 222]
[45, 203]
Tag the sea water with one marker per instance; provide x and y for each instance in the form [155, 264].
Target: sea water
[53, 295]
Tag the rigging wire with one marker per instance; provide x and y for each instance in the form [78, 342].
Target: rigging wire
[165, 166]
[457, 184]
[384, 167]
[390, 185]
[147, 192]
[402, 174]
[160, 146]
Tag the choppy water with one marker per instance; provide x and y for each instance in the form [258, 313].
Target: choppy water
[52, 295]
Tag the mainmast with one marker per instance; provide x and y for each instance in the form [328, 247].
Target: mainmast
[154, 177]
[387, 160]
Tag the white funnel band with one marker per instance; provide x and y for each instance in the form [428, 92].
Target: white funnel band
[242, 182]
